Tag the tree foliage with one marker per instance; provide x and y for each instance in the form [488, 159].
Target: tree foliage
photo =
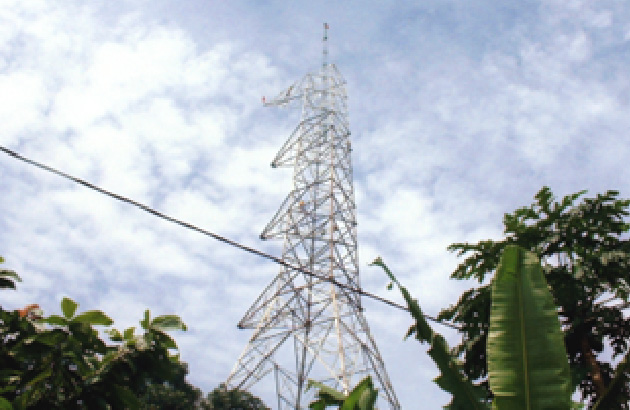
[174, 393]
[362, 397]
[61, 362]
[527, 363]
[222, 398]
[7, 277]
[452, 378]
[586, 254]
[526, 356]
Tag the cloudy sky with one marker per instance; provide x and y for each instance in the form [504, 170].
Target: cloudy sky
[460, 111]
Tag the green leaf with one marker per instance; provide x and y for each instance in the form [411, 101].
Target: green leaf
[114, 335]
[94, 318]
[162, 338]
[55, 320]
[146, 321]
[368, 399]
[68, 307]
[128, 333]
[8, 279]
[327, 390]
[326, 396]
[168, 322]
[527, 362]
[364, 390]
[317, 405]
[466, 396]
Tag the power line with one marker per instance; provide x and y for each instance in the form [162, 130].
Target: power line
[212, 234]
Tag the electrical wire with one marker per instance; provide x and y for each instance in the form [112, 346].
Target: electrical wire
[213, 235]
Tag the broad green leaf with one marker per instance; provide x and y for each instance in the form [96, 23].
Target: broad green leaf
[527, 362]
[364, 388]
[466, 396]
[368, 399]
[168, 322]
[326, 396]
[94, 318]
[317, 405]
[68, 307]
[55, 320]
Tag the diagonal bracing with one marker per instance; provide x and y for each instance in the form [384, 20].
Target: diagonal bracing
[306, 327]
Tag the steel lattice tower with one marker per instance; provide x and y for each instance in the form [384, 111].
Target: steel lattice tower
[321, 323]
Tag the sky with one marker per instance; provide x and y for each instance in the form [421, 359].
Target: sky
[460, 112]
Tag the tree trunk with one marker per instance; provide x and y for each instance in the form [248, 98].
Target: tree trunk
[595, 371]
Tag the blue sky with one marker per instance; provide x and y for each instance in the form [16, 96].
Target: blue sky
[459, 111]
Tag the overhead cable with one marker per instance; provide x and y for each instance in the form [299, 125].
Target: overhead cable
[213, 235]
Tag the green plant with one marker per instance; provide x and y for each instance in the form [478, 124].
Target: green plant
[8, 277]
[60, 361]
[526, 357]
[585, 249]
[222, 398]
[362, 397]
[465, 396]
[527, 362]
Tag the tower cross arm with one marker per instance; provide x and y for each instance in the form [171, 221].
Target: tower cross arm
[294, 92]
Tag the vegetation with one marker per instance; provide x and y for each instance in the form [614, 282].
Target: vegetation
[586, 260]
[528, 367]
[527, 362]
[526, 357]
[61, 362]
[173, 394]
[222, 398]
[532, 334]
[362, 397]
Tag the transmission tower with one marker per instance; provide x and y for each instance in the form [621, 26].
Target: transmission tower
[305, 327]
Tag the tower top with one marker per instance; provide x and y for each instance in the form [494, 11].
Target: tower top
[325, 46]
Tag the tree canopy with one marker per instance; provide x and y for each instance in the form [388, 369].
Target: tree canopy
[585, 251]
[222, 398]
[62, 362]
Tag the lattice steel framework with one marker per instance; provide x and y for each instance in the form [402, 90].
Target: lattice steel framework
[324, 324]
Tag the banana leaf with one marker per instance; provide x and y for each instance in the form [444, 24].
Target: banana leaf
[527, 362]
[452, 379]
